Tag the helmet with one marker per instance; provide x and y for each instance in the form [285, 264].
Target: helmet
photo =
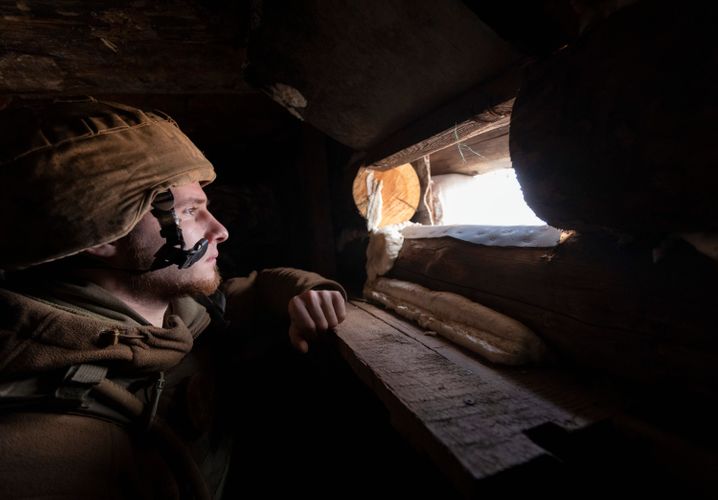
[79, 173]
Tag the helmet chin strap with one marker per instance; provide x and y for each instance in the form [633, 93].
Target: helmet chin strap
[173, 251]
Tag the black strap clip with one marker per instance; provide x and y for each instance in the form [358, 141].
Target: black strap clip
[79, 380]
[173, 251]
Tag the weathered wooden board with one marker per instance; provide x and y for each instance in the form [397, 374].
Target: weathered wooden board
[477, 155]
[70, 47]
[554, 385]
[469, 417]
[473, 419]
[217, 121]
[361, 71]
[424, 137]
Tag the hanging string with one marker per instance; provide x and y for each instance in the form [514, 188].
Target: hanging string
[461, 146]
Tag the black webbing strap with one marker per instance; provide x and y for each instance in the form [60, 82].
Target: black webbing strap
[68, 392]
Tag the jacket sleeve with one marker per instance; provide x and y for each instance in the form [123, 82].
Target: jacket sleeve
[267, 293]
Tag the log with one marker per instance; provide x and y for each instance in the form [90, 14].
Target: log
[362, 71]
[69, 47]
[606, 309]
[604, 133]
[217, 122]
[315, 229]
[400, 192]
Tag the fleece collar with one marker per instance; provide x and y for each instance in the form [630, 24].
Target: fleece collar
[62, 324]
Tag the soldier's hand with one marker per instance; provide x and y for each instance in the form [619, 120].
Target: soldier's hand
[314, 312]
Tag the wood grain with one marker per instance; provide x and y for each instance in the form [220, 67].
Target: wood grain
[368, 70]
[601, 306]
[496, 117]
[400, 193]
[69, 47]
[469, 417]
[474, 156]
[500, 432]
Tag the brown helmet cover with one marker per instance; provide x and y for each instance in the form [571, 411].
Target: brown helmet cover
[75, 174]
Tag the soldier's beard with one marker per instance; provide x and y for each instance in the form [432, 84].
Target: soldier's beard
[170, 282]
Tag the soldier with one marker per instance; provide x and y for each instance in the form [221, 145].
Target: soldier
[114, 345]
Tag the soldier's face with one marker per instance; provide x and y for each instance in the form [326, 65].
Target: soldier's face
[196, 222]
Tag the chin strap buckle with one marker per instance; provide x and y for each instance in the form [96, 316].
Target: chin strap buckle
[173, 251]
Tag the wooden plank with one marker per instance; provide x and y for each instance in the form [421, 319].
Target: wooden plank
[421, 138]
[562, 389]
[603, 135]
[471, 422]
[70, 47]
[595, 431]
[599, 306]
[478, 155]
[218, 122]
[361, 71]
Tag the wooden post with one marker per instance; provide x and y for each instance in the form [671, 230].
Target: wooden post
[315, 230]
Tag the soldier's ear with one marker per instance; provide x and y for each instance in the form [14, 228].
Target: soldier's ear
[105, 250]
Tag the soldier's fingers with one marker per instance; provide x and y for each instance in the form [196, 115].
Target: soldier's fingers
[328, 309]
[339, 306]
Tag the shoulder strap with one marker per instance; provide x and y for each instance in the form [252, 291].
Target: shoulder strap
[72, 392]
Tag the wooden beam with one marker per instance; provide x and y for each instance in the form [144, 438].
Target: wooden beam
[313, 224]
[601, 307]
[481, 111]
[476, 155]
[604, 134]
[360, 72]
[218, 121]
[69, 47]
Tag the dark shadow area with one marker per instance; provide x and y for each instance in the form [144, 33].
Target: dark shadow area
[601, 461]
[309, 428]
